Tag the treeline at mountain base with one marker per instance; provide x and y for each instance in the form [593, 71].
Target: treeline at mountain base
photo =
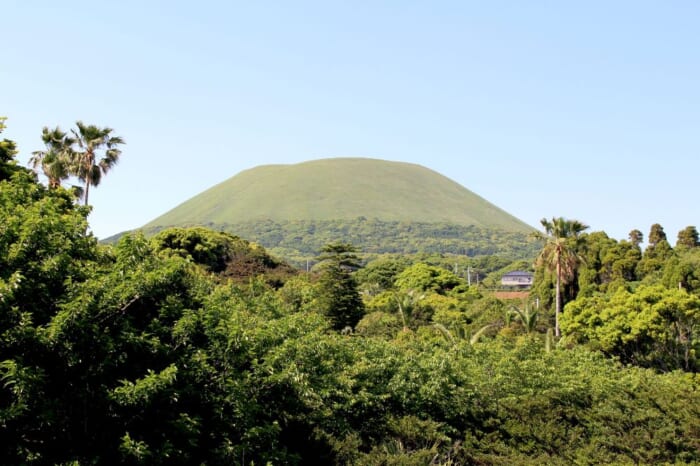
[162, 351]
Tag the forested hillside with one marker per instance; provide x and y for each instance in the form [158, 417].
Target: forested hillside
[377, 205]
[198, 347]
[299, 241]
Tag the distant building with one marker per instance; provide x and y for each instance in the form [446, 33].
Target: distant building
[518, 279]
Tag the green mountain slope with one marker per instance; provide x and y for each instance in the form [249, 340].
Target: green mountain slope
[339, 189]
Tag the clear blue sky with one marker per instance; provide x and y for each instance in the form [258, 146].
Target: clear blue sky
[587, 110]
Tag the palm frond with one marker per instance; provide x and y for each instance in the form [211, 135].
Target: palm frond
[477, 336]
[55, 160]
[446, 333]
[527, 317]
[92, 141]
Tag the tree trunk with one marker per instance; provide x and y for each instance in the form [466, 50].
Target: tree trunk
[87, 190]
[557, 308]
[90, 159]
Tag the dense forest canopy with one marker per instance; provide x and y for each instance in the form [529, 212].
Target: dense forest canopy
[299, 241]
[199, 347]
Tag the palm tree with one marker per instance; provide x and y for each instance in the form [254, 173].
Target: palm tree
[560, 253]
[407, 303]
[90, 141]
[56, 160]
[527, 317]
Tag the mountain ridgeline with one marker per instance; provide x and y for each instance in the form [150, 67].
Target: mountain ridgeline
[379, 206]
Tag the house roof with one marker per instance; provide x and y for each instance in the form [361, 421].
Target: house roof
[518, 273]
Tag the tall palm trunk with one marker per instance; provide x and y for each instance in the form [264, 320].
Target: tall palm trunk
[87, 191]
[88, 167]
[558, 303]
[403, 318]
[402, 314]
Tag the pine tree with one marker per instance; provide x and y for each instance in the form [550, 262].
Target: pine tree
[339, 298]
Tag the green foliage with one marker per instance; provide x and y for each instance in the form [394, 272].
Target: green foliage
[596, 248]
[378, 324]
[414, 309]
[652, 327]
[449, 311]
[43, 247]
[142, 391]
[338, 295]
[342, 255]
[656, 235]
[657, 252]
[688, 238]
[649, 268]
[410, 440]
[223, 254]
[205, 247]
[8, 150]
[298, 294]
[134, 450]
[682, 270]
[607, 263]
[636, 237]
[382, 272]
[410, 307]
[487, 310]
[298, 241]
[44, 252]
[527, 317]
[147, 361]
[424, 277]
